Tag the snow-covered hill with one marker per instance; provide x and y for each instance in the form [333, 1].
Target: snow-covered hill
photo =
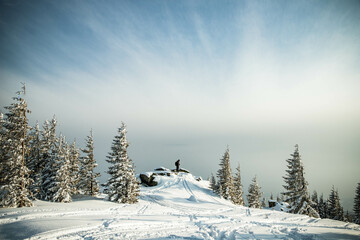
[179, 207]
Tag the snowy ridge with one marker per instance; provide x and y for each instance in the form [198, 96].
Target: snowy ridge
[179, 207]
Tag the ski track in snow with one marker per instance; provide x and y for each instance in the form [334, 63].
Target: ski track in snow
[178, 208]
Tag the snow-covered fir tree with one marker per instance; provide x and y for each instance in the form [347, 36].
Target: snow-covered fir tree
[88, 178]
[122, 186]
[74, 155]
[263, 203]
[34, 159]
[357, 205]
[213, 185]
[323, 207]
[61, 188]
[50, 147]
[254, 194]
[296, 192]
[238, 188]
[315, 201]
[15, 176]
[335, 210]
[225, 179]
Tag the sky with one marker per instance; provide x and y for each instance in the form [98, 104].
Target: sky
[191, 78]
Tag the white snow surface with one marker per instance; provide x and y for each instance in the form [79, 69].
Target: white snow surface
[179, 207]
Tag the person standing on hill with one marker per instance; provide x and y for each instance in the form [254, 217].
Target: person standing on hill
[177, 164]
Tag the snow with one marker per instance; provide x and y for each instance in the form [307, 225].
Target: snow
[179, 207]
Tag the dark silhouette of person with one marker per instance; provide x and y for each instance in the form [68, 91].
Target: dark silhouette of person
[177, 164]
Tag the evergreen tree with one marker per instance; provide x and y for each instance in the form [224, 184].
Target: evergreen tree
[271, 196]
[122, 186]
[74, 167]
[50, 148]
[213, 185]
[225, 179]
[61, 187]
[315, 201]
[357, 205]
[254, 194]
[335, 209]
[15, 180]
[296, 194]
[88, 182]
[238, 188]
[322, 207]
[34, 159]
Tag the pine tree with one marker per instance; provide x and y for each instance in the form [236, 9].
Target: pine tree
[238, 191]
[296, 194]
[122, 186]
[225, 179]
[15, 180]
[50, 148]
[271, 196]
[357, 205]
[322, 207]
[74, 172]
[335, 209]
[315, 201]
[263, 203]
[61, 187]
[34, 159]
[254, 194]
[88, 183]
[213, 185]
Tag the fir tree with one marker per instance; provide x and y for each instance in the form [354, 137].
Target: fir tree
[34, 159]
[238, 188]
[15, 180]
[322, 207]
[263, 203]
[225, 179]
[357, 205]
[61, 187]
[296, 194]
[213, 185]
[254, 194]
[88, 183]
[315, 201]
[122, 186]
[335, 209]
[74, 167]
[50, 148]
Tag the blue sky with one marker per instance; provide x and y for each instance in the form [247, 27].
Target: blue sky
[191, 77]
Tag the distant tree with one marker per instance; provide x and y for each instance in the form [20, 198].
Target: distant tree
[357, 205]
[34, 159]
[254, 194]
[15, 176]
[88, 178]
[225, 179]
[315, 201]
[348, 217]
[74, 156]
[238, 188]
[213, 185]
[335, 209]
[322, 206]
[50, 148]
[271, 196]
[296, 192]
[61, 188]
[122, 186]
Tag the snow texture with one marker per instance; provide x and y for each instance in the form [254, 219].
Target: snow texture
[165, 212]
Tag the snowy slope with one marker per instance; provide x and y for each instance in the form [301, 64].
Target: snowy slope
[178, 208]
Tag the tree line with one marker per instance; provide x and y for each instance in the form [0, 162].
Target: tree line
[36, 163]
[295, 192]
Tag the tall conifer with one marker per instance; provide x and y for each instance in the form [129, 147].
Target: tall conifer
[122, 186]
